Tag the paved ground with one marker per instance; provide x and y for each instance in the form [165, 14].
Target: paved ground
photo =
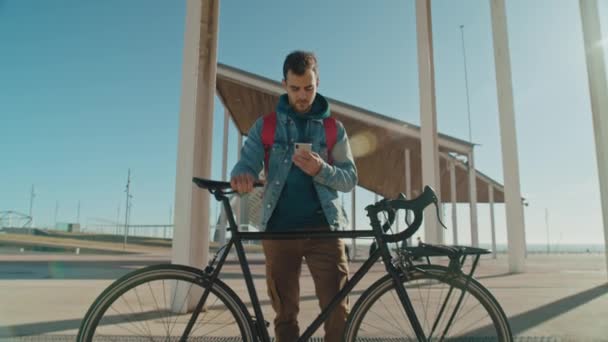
[559, 297]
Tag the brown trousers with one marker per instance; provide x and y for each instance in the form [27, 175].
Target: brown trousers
[326, 260]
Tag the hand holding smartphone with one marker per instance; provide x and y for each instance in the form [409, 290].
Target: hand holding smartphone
[299, 147]
[309, 163]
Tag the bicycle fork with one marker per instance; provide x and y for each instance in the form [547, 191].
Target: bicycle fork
[407, 304]
[455, 264]
[213, 274]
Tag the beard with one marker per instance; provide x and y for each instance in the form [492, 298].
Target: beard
[303, 106]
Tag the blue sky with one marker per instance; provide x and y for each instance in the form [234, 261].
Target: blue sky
[89, 89]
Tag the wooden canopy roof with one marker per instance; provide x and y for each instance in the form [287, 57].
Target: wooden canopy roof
[378, 142]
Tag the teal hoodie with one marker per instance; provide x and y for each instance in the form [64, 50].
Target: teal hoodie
[299, 206]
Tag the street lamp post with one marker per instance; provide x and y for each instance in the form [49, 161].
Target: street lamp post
[471, 164]
[466, 82]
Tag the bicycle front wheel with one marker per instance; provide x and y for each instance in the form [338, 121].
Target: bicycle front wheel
[156, 304]
[435, 295]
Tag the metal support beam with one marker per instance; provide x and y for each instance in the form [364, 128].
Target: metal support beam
[428, 114]
[596, 71]
[191, 220]
[453, 199]
[492, 221]
[508, 138]
[473, 200]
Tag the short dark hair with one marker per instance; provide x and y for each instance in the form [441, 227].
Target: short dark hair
[300, 61]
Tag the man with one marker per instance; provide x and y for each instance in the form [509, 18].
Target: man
[301, 194]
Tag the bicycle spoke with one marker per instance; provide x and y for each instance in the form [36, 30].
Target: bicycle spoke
[460, 315]
[164, 321]
[424, 303]
[134, 323]
[473, 321]
[145, 311]
[399, 305]
[186, 297]
[220, 327]
[396, 324]
[142, 310]
[438, 299]
[202, 318]
[125, 328]
[444, 302]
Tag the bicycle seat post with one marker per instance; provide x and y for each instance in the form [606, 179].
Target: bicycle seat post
[220, 196]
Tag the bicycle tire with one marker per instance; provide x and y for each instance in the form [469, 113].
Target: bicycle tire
[160, 318]
[487, 323]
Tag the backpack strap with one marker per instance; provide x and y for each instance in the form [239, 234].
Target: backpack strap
[268, 129]
[331, 136]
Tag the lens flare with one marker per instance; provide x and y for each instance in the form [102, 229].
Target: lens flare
[363, 143]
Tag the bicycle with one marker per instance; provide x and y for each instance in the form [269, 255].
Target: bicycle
[411, 302]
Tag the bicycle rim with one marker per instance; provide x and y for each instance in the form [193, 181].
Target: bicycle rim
[156, 304]
[379, 315]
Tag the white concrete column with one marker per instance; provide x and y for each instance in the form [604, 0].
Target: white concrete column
[596, 71]
[453, 200]
[473, 200]
[428, 115]
[492, 221]
[508, 138]
[221, 228]
[353, 219]
[225, 145]
[191, 220]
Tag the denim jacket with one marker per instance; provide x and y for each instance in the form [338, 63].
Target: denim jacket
[341, 175]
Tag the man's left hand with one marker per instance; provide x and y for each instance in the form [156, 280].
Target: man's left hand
[309, 162]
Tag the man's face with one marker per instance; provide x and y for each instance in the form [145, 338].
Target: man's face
[301, 90]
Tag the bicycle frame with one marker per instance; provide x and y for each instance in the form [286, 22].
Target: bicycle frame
[258, 325]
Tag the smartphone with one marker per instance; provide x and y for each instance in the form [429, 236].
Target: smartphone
[302, 147]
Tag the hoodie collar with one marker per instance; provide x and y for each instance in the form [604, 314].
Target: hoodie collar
[318, 111]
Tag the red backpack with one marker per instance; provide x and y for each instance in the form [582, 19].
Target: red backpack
[269, 128]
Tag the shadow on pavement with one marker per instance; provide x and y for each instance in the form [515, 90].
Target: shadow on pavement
[529, 319]
[534, 317]
[79, 270]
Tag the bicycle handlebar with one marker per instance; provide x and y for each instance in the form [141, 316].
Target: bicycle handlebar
[416, 205]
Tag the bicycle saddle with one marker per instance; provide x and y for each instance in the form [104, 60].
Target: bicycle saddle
[210, 184]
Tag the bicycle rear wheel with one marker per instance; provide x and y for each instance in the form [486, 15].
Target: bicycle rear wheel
[434, 292]
[155, 304]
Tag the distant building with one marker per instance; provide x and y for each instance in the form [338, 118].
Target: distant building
[68, 227]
